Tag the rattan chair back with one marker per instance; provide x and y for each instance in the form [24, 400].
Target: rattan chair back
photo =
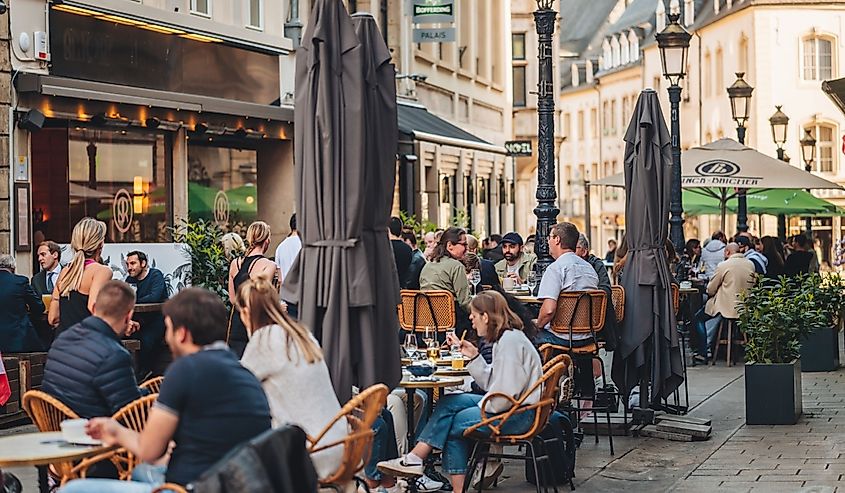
[676, 297]
[617, 297]
[45, 411]
[581, 311]
[359, 413]
[153, 384]
[421, 309]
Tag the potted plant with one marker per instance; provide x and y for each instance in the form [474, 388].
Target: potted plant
[775, 315]
[820, 348]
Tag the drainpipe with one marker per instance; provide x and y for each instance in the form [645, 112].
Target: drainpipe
[293, 26]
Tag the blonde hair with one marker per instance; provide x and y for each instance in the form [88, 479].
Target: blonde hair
[472, 243]
[261, 299]
[87, 239]
[233, 245]
[257, 233]
[501, 317]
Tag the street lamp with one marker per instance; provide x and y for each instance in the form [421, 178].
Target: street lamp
[673, 42]
[740, 96]
[779, 122]
[546, 210]
[808, 154]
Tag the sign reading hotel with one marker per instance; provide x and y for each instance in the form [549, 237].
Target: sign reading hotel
[720, 173]
[518, 147]
[433, 12]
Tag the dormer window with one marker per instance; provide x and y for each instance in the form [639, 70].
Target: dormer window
[660, 15]
[634, 45]
[689, 12]
[614, 49]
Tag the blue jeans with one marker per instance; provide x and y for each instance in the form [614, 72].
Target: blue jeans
[145, 478]
[454, 414]
[384, 445]
[705, 330]
[545, 336]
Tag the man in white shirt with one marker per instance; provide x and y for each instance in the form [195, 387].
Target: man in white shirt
[289, 248]
[48, 258]
[568, 272]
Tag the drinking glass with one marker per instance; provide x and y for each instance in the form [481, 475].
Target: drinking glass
[433, 351]
[475, 279]
[430, 335]
[411, 345]
[532, 281]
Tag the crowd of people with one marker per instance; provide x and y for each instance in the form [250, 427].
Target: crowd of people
[272, 367]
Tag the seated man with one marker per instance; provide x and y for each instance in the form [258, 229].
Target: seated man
[516, 264]
[87, 367]
[730, 280]
[150, 287]
[608, 333]
[19, 302]
[208, 404]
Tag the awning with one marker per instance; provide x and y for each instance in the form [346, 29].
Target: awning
[415, 122]
[835, 89]
[48, 85]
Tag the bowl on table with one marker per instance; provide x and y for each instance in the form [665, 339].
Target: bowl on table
[421, 369]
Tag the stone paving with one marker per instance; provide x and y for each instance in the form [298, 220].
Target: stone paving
[809, 456]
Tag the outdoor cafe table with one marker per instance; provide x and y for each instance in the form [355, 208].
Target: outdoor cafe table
[410, 387]
[41, 450]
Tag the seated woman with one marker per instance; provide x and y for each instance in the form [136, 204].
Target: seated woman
[515, 368]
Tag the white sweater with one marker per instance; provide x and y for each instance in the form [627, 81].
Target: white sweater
[515, 368]
[298, 393]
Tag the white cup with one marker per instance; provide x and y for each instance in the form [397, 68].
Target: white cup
[73, 431]
[508, 284]
[686, 285]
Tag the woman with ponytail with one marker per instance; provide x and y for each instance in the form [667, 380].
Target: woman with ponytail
[289, 364]
[253, 265]
[79, 282]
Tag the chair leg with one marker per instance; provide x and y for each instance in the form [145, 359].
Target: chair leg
[537, 478]
[473, 463]
[483, 471]
[730, 342]
[716, 349]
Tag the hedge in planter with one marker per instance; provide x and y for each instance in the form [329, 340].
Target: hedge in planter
[775, 315]
[820, 348]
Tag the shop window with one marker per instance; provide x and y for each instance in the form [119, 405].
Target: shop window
[482, 190]
[223, 186]
[117, 176]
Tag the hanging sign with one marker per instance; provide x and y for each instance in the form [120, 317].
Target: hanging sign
[433, 11]
[444, 35]
[518, 147]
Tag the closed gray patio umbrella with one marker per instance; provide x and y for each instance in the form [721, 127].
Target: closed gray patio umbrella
[331, 280]
[648, 335]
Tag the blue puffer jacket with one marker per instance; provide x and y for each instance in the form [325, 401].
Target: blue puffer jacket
[89, 370]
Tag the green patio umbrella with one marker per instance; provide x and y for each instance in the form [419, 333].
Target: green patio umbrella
[786, 201]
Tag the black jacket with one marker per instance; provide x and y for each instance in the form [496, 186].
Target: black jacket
[89, 370]
[39, 282]
[412, 280]
[609, 332]
[17, 301]
[488, 274]
[274, 462]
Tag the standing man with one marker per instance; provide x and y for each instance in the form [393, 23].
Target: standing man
[288, 249]
[401, 252]
[516, 263]
[417, 260]
[611, 251]
[494, 252]
[18, 301]
[48, 258]
[150, 287]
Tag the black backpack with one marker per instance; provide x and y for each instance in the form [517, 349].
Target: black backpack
[557, 442]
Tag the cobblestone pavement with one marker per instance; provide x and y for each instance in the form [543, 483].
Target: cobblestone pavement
[809, 456]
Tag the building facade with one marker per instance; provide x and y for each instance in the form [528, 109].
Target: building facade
[785, 49]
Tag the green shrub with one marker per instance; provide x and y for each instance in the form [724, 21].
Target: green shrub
[209, 266]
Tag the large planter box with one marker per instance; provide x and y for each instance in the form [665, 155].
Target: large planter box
[820, 350]
[773, 393]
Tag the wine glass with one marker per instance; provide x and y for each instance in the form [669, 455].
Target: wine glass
[532, 281]
[429, 335]
[411, 345]
[475, 279]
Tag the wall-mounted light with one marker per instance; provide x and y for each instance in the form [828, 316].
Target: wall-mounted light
[152, 122]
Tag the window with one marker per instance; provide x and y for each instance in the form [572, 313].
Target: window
[581, 125]
[825, 161]
[256, 14]
[720, 73]
[202, 7]
[707, 75]
[612, 121]
[213, 171]
[818, 58]
[634, 43]
[605, 116]
[518, 46]
[625, 50]
[567, 125]
[743, 54]
[594, 123]
[519, 85]
[614, 50]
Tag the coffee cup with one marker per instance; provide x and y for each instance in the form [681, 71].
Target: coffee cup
[73, 431]
[509, 284]
[686, 285]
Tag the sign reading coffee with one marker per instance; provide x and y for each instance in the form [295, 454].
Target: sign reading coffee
[84, 47]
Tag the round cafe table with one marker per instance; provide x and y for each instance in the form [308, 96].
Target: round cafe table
[41, 450]
[410, 387]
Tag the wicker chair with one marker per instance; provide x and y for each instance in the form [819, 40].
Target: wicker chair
[583, 312]
[542, 410]
[676, 297]
[617, 297]
[360, 413]
[133, 416]
[47, 413]
[153, 384]
[421, 309]
[552, 357]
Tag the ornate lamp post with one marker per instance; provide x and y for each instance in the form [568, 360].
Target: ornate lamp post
[779, 122]
[808, 154]
[546, 210]
[673, 42]
[740, 96]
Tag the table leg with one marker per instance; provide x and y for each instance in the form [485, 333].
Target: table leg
[43, 482]
[411, 435]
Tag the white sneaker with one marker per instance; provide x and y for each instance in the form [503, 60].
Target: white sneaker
[425, 484]
[399, 468]
[494, 470]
